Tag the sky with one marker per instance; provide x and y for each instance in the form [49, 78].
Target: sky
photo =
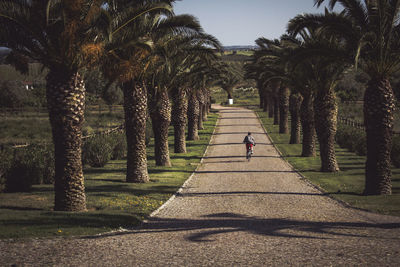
[241, 22]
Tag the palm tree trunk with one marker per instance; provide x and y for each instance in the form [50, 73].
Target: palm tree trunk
[66, 105]
[201, 99]
[295, 129]
[193, 116]
[266, 103]
[276, 109]
[204, 112]
[135, 108]
[200, 120]
[261, 95]
[308, 126]
[275, 85]
[207, 104]
[160, 114]
[379, 104]
[284, 94]
[325, 114]
[179, 119]
[271, 106]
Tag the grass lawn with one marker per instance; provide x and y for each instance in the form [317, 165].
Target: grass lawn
[346, 185]
[111, 202]
[30, 126]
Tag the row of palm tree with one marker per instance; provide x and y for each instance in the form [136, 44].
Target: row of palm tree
[151, 53]
[319, 49]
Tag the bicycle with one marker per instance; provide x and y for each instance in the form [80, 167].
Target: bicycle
[249, 151]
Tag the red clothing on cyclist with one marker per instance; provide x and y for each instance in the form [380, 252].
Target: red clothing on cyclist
[249, 141]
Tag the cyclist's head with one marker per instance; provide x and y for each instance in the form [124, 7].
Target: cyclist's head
[249, 133]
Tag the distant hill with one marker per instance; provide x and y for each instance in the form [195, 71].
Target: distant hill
[239, 47]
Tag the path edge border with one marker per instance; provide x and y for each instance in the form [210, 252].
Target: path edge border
[188, 180]
[306, 180]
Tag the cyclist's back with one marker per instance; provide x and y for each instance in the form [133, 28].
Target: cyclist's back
[249, 139]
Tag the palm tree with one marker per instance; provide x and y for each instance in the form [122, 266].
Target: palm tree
[185, 64]
[271, 55]
[299, 78]
[284, 95]
[326, 70]
[202, 75]
[371, 31]
[308, 123]
[166, 45]
[193, 114]
[160, 114]
[294, 104]
[61, 35]
[183, 32]
[125, 61]
[253, 70]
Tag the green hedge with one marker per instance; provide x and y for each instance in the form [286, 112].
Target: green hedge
[355, 140]
[27, 166]
[352, 138]
[97, 151]
[5, 162]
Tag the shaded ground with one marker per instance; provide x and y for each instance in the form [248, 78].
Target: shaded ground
[233, 212]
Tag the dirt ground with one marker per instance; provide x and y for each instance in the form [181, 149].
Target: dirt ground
[232, 212]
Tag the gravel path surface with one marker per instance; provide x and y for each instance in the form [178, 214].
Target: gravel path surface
[233, 213]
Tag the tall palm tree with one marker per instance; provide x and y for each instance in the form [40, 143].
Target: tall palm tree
[179, 117]
[160, 114]
[326, 71]
[183, 31]
[126, 60]
[187, 63]
[300, 78]
[271, 55]
[371, 31]
[202, 75]
[62, 36]
[253, 70]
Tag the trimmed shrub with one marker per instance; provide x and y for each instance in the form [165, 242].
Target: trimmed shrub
[48, 167]
[361, 143]
[119, 145]
[5, 162]
[352, 138]
[396, 151]
[22, 172]
[344, 137]
[31, 165]
[97, 151]
[356, 141]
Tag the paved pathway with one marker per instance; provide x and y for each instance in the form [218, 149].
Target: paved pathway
[234, 213]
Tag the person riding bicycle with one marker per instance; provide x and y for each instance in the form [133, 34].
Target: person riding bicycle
[249, 141]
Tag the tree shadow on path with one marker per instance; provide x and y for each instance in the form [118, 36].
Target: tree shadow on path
[203, 229]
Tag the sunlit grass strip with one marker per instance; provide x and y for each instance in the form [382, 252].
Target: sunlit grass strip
[346, 185]
[112, 203]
